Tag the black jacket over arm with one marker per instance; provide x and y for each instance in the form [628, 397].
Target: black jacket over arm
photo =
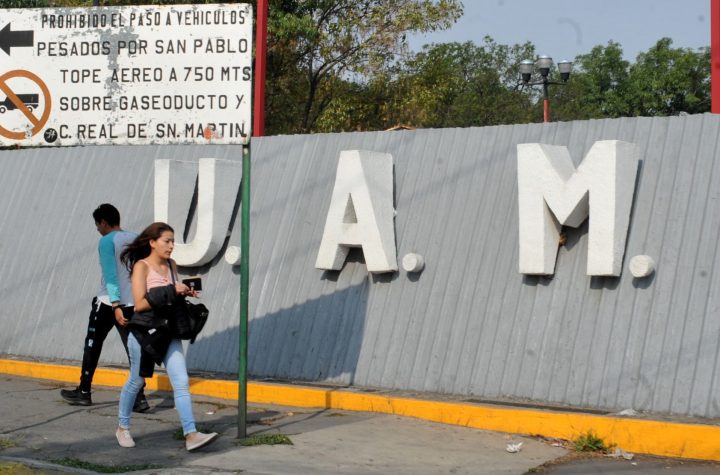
[152, 328]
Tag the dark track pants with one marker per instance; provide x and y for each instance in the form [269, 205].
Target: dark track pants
[101, 321]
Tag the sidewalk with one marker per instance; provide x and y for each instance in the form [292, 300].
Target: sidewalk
[324, 442]
[42, 427]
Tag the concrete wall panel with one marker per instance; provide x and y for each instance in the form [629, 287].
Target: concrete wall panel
[468, 324]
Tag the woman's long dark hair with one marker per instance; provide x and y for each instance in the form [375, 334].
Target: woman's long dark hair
[140, 247]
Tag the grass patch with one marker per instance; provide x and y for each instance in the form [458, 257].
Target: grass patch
[7, 443]
[590, 442]
[100, 468]
[265, 439]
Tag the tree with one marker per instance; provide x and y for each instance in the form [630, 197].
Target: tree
[667, 81]
[24, 3]
[662, 81]
[597, 87]
[460, 85]
[356, 106]
[318, 42]
[445, 85]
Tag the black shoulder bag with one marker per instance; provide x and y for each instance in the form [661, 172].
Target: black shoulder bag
[188, 318]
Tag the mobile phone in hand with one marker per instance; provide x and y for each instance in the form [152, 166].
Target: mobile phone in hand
[195, 283]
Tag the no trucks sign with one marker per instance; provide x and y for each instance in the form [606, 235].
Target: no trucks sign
[176, 74]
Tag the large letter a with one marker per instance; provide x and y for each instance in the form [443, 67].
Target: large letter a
[361, 213]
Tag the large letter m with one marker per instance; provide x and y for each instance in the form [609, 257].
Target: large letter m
[552, 193]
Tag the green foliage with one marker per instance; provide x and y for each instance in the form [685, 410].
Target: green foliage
[444, 85]
[597, 88]
[6, 443]
[663, 81]
[590, 442]
[666, 81]
[100, 468]
[460, 85]
[464, 84]
[24, 3]
[265, 439]
[316, 43]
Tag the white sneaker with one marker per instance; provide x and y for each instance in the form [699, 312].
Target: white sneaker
[124, 438]
[200, 440]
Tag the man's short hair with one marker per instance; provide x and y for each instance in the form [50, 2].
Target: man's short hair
[107, 212]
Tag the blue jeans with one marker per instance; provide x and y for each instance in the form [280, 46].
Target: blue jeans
[174, 362]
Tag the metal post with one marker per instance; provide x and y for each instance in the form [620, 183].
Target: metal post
[546, 101]
[260, 66]
[244, 288]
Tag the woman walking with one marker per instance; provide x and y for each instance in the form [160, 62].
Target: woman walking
[151, 340]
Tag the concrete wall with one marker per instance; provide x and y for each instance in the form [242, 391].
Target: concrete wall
[469, 324]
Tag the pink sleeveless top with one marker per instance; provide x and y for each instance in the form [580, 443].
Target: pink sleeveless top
[155, 279]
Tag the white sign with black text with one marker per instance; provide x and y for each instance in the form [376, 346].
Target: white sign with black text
[174, 74]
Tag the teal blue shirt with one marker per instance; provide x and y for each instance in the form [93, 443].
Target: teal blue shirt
[115, 280]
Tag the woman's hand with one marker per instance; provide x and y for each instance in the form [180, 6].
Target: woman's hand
[182, 289]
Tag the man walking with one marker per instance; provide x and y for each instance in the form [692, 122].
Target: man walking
[112, 306]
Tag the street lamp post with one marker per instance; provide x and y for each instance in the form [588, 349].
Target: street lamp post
[543, 65]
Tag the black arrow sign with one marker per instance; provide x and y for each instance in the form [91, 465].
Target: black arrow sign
[8, 38]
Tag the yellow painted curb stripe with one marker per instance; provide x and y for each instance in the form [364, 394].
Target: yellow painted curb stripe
[697, 441]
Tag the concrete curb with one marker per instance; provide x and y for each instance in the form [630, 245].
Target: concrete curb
[667, 439]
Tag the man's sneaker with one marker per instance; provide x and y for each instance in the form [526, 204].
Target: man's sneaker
[124, 438]
[141, 404]
[76, 397]
[195, 440]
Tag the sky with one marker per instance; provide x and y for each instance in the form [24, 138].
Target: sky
[563, 29]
